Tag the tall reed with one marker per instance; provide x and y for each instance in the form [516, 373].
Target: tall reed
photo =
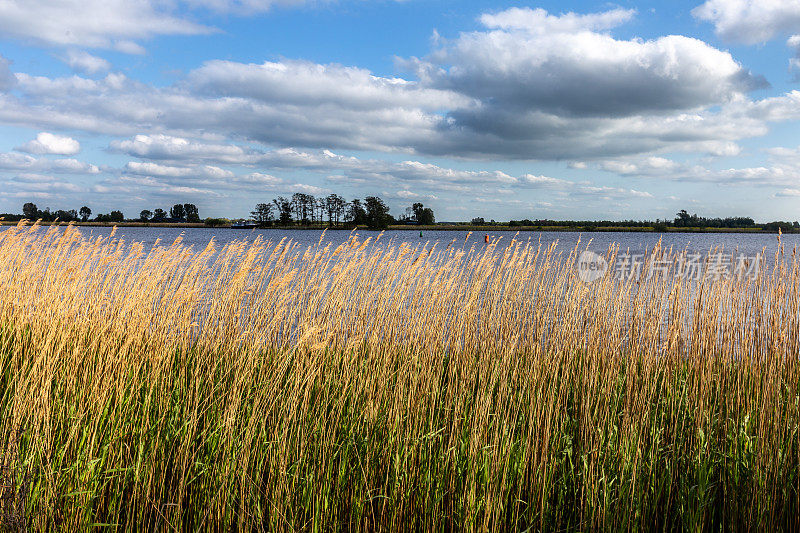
[380, 385]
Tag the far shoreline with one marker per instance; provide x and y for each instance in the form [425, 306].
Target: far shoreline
[437, 227]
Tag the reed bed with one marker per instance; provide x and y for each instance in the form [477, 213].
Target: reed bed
[381, 386]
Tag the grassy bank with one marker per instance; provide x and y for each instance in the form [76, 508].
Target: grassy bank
[381, 386]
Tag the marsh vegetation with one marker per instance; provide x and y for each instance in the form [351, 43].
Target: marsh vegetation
[386, 386]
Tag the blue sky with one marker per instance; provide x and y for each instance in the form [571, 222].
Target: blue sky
[588, 110]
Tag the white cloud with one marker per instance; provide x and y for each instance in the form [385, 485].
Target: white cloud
[310, 84]
[529, 86]
[92, 23]
[540, 21]
[118, 24]
[653, 165]
[28, 183]
[558, 66]
[794, 62]
[81, 61]
[16, 161]
[166, 147]
[751, 21]
[155, 169]
[49, 143]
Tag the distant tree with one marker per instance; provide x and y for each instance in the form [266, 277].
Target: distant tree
[284, 207]
[30, 211]
[423, 215]
[85, 213]
[321, 205]
[334, 206]
[377, 212]
[191, 213]
[683, 218]
[177, 212]
[478, 221]
[159, 215]
[303, 206]
[66, 216]
[117, 216]
[356, 213]
[262, 214]
[145, 215]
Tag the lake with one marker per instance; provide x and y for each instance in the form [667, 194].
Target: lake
[748, 244]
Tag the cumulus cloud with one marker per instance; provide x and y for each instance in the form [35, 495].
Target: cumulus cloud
[16, 161]
[118, 24]
[92, 23]
[530, 85]
[48, 143]
[155, 169]
[167, 147]
[536, 63]
[82, 61]
[781, 169]
[310, 84]
[393, 116]
[794, 63]
[540, 21]
[750, 21]
[41, 186]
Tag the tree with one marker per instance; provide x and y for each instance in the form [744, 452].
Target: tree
[303, 206]
[423, 215]
[262, 214]
[321, 208]
[284, 207]
[356, 213]
[85, 213]
[377, 212]
[66, 216]
[30, 211]
[145, 215]
[159, 215]
[177, 212]
[191, 213]
[117, 216]
[334, 206]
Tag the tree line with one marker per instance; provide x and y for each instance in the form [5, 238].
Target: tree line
[177, 213]
[682, 220]
[335, 210]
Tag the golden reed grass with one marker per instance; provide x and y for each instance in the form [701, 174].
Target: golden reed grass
[383, 386]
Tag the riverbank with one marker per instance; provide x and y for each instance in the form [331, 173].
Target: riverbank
[435, 227]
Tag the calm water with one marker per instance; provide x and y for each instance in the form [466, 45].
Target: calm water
[748, 244]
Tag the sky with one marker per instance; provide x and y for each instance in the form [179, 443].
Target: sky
[557, 110]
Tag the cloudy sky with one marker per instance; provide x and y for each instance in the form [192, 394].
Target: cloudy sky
[579, 110]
